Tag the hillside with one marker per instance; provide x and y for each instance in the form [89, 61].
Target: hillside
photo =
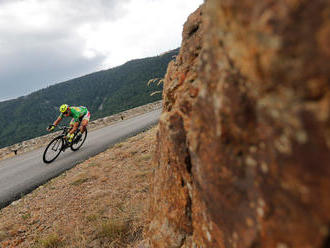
[104, 93]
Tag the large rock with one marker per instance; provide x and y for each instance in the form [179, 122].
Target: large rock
[243, 148]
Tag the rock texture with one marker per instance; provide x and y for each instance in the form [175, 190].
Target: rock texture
[243, 148]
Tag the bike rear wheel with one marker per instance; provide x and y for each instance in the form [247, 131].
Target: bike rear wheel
[78, 141]
[53, 149]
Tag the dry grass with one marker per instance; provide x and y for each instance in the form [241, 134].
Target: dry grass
[99, 203]
[50, 241]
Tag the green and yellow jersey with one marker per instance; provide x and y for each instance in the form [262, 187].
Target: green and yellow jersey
[76, 113]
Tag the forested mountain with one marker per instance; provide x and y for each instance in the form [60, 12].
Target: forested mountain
[103, 93]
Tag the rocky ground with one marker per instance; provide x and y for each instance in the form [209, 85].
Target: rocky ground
[100, 203]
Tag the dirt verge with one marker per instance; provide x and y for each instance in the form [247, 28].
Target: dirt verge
[100, 203]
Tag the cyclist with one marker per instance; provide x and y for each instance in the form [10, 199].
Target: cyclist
[78, 114]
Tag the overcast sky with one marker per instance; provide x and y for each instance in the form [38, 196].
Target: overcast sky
[43, 42]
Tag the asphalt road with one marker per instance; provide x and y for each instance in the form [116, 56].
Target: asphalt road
[21, 174]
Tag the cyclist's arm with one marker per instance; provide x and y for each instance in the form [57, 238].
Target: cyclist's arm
[57, 121]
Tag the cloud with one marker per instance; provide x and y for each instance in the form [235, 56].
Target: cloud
[32, 66]
[48, 41]
[39, 43]
[150, 27]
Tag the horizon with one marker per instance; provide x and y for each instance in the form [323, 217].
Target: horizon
[44, 42]
[79, 76]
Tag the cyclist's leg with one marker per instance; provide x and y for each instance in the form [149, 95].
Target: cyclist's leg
[84, 122]
[72, 123]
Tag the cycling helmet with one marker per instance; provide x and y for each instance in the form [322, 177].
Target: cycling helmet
[64, 107]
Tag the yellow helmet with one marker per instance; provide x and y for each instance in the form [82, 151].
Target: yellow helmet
[64, 107]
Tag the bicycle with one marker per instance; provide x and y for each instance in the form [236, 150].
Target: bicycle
[60, 144]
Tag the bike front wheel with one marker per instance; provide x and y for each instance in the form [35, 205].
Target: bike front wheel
[53, 149]
[78, 141]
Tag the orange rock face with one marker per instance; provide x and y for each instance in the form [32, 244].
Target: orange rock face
[243, 148]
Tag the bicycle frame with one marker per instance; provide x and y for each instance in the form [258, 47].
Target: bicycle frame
[65, 131]
[60, 144]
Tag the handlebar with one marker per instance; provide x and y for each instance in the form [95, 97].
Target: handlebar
[63, 127]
